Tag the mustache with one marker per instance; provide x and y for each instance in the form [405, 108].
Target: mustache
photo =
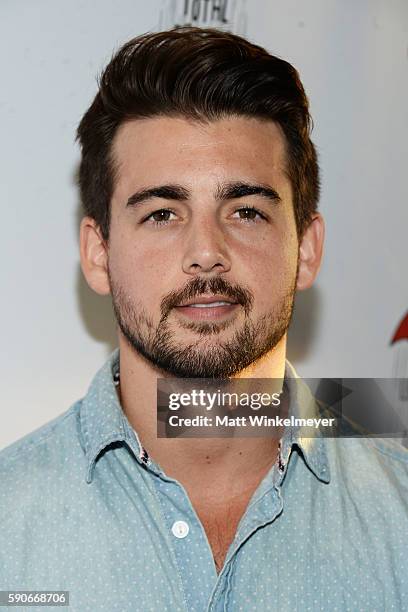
[199, 286]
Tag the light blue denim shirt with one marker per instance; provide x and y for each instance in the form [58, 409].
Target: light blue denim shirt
[82, 509]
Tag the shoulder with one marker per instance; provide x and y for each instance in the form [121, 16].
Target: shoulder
[391, 448]
[369, 461]
[30, 466]
[387, 451]
[390, 454]
[48, 435]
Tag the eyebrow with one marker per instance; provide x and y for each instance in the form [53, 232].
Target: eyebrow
[227, 191]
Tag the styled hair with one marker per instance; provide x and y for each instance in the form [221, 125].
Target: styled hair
[202, 74]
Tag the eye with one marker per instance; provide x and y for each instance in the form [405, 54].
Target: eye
[253, 215]
[159, 217]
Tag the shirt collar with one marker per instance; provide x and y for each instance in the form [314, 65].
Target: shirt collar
[103, 421]
[302, 404]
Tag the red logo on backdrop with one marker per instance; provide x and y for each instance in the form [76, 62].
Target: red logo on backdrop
[401, 332]
[401, 360]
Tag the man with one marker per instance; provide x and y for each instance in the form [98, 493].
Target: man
[200, 186]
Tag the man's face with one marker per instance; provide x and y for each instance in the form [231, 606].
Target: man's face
[217, 222]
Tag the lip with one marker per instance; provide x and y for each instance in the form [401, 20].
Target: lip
[208, 313]
[207, 299]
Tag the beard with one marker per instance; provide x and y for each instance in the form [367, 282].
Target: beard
[208, 356]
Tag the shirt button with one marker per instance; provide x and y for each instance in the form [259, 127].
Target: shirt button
[180, 529]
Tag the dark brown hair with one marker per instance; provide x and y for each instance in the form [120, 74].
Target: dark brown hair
[204, 74]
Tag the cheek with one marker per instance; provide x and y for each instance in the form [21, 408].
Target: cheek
[125, 262]
[271, 264]
[139, 271]
[272, 257]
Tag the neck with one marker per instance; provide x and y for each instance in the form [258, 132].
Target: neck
[214, 460]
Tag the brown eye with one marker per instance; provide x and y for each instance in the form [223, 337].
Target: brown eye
[248, 213]
[160, 215]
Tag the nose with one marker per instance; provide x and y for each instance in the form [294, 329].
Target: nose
[205, 247]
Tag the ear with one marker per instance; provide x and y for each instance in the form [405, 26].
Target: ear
[94, 256]
[310, 252]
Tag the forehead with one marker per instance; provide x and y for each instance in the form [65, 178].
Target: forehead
[168, 148]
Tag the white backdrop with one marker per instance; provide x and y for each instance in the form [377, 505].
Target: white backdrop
[353, 59]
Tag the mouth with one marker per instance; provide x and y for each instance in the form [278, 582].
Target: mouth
[207, 308]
